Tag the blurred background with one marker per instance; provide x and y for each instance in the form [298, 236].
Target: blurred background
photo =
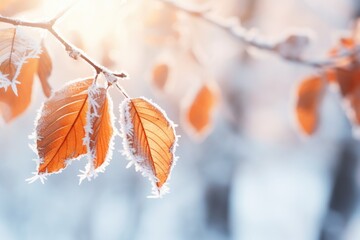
[251, 174]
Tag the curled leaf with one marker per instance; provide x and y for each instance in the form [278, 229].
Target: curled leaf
[60, 128]
[348, 79]
[99, 132]
[44, 70]
[18, 64]
[309, 95]
[16, 48]
[149, 141]
[12, 105]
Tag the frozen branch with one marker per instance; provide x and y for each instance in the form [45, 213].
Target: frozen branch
[250, 38]
[73, 51]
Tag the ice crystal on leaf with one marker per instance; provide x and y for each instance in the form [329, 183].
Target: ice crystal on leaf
[16, 48]
[99, 132]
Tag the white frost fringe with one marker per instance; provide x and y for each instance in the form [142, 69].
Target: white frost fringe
[43, 176]
[25, 48]
[92, 113]
[141, 164]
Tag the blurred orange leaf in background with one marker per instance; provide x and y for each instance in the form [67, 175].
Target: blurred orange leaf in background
[348, 80]
[309, 95]
[199, 111]
[160, 75]
[44, 70]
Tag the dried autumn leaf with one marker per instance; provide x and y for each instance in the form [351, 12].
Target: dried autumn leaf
[44, 70]
[344, 44]
[11, 106]
[309, 95]
[348, 79]
[60, 128]
[19, 63]
[99, 133]
[160, 75]
[330, 75]
[16, 48]
[149, 141]
[200, 108]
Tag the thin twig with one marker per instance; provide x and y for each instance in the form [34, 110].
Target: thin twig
[122, 90]
[247, 37]
[74, 52]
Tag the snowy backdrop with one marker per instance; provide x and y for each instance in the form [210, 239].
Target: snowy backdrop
[255, 176]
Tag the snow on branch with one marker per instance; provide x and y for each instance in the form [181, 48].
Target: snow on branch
[289, 48]
[73, 51]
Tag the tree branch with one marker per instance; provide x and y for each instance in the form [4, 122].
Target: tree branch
[73, 51]
[251, 39]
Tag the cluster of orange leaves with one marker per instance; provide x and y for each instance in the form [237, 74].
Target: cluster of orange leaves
[345, 75]
[77, 120]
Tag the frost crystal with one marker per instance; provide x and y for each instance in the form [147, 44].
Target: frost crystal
[41, 177]
[75, 54]
[92, 114]
[23, 49]
[4, 81]
[110, 78]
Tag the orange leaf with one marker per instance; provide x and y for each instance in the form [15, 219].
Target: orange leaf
[60, 128]
[348, 43]
[44, 71]
[149, 141]
[348, 80]
[99, 133]
[11, 106]
[160, 76]
[198, 113]
[345, 43]
[330, 75]
[309, 95]
[19, 63]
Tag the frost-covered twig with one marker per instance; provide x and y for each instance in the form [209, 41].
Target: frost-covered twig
[73, 51]
[294, 44]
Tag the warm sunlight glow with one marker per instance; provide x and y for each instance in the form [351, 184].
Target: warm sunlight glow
[89, 18]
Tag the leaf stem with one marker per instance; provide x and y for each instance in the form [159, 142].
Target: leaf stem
[122, 90]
